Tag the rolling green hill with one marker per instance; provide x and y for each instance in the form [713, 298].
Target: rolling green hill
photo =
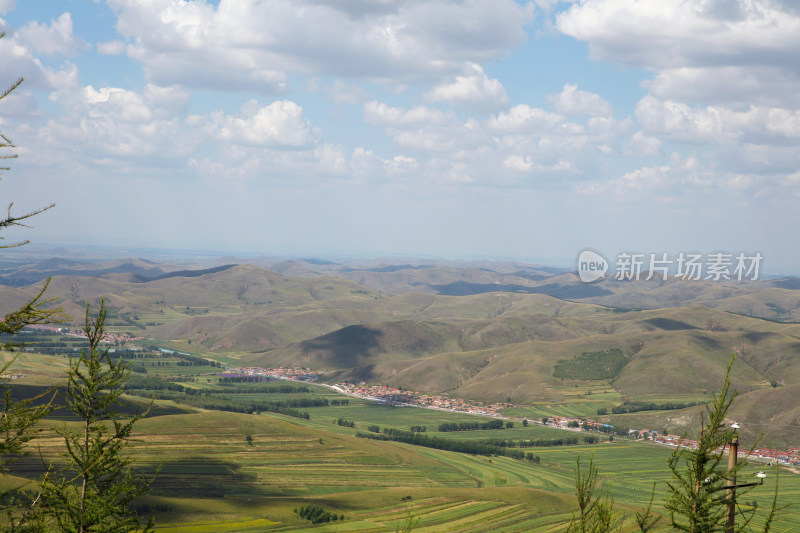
[486, 346]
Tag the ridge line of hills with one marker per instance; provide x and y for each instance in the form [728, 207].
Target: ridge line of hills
[493, 346]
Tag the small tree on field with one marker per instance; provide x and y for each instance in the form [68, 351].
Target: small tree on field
[595, 505]
[698, 492]
[698, 498]
[93, 492]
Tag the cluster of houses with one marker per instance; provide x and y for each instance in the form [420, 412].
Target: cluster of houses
[790, 456]
[108, 337]
[386, 394]
[566, 422]
[380, 393]
[292, 374]
[397, 396]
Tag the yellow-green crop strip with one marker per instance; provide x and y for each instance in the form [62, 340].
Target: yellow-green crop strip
[212, 478]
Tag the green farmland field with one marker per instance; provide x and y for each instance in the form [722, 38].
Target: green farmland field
[204, 456]
[212, 478]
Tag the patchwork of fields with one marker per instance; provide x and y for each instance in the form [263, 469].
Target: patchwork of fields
[213, 478]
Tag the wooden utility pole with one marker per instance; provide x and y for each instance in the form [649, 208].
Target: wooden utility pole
[733, 453]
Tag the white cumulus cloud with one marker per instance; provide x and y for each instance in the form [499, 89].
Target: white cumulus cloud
[645, 146]
[386, 115]
[57, 38]
[279, 124]
[245, 44]
[717, 124]
[424, 128]
[734, 86]
[18, 55]
[524, 118]
[680, 33]
[472, 90]
[725, 75]
[573, 102]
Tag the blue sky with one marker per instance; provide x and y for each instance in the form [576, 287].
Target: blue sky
[448, 128]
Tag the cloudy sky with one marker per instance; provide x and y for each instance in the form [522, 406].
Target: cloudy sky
[446, 128]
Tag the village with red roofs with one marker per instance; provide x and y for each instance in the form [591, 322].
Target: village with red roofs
[401, 397]
[107, 337]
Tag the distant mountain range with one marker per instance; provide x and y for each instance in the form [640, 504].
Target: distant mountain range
[491, 331]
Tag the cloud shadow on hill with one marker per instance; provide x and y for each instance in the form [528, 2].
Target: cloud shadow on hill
[668, 324]
[349, 347]
[557, 290]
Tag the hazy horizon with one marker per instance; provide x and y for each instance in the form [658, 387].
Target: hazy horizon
[191, 256]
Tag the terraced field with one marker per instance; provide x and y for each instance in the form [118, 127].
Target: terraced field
[213, 478]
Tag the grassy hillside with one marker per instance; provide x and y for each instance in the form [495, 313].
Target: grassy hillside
[213, 478]
[772, 299]
[669, 355]
[675, 346]
[489, 346]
